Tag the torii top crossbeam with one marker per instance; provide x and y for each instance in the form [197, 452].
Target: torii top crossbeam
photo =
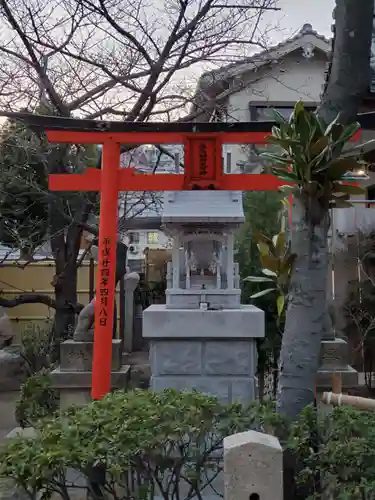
[202, 170]
[202, 152]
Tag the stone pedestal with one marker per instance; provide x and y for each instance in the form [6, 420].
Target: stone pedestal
[73, 377]
[334, 359]
[213, 352]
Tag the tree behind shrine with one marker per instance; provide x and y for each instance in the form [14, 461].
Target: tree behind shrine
[307, 314]
[125, 60]
[23, 201]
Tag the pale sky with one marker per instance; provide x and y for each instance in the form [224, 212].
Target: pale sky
[295, 13]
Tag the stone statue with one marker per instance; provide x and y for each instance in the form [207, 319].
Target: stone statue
[84, 330]
[6, 332]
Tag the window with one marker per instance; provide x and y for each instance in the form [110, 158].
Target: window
[133, 238]
[152, 238]
[265, 113]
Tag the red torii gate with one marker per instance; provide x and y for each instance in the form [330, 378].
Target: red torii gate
[203, 169]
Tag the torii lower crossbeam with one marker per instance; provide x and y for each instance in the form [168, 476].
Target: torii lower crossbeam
[203, 169]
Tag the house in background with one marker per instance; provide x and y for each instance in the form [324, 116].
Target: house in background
[43, 252]
[245, 91]
[250, 89]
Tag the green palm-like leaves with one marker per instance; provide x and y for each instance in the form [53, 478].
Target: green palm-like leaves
[277, 264]
[313, 157]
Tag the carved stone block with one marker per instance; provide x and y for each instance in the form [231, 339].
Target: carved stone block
[230, 358]
[334, 353]
[77, 356]
[171, 357]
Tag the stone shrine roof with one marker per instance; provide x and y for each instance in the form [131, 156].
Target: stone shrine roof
[203, 206]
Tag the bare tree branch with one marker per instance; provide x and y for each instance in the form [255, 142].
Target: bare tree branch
[106, 58]
[36, 298]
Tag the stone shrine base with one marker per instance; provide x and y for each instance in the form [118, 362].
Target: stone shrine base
[73, 377]
[244, 322]
[213, 352]
[75, 387]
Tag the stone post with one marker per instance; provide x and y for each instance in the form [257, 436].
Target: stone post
[218, 269]
[131, 281]
[237, 277]
[176, 262]
[169, 275]
[230, 257]
[187, 269]
[253, 467]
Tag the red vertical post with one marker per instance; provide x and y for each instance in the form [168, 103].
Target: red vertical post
[105, 279]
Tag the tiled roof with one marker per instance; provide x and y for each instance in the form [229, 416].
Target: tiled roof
[219, 82]
[268, 55]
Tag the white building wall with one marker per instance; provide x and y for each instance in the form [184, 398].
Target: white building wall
[293, 78]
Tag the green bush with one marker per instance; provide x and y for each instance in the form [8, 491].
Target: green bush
[345, 456]
[37, 400]
[36, 346]
[170, 441]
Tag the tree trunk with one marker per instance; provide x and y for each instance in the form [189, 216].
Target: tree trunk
[349, 72]
[66, 295]
[305, 316]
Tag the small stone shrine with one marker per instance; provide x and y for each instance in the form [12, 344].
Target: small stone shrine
[203, 338]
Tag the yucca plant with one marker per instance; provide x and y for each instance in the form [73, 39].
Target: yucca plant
[277, 264]
[312, 159]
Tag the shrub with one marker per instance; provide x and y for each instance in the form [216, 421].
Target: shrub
[36, 346]
[345, 457]
[37, 400]
[169, 441]
[172, 442]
